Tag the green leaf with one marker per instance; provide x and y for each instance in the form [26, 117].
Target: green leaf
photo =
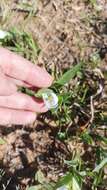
[75, 184]
[36, 187]
[61, 135]
[2, 141]
[49, 186]
[101, 165]
[41, 91]
[83, 173]
[40, 177]
[42, 187]
[87, 138]
[101, 138]
[70, 74]
[37, 94]
[65, 180]
[71, 162]
[93, 2]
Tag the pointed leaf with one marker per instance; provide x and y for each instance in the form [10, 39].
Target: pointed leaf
[70, 74]
[36, 187]
[101, 165]
[2, 141]
[65, 180]
[75, 184]
[40, 177]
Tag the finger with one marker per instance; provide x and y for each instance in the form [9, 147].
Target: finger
[8, 116]
[23, 102]
[22, 69]
[6, 86]
[18, 82]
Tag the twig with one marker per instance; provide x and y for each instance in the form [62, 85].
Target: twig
[5, 187]
[92, 110]
[92, 98]
[25, 11]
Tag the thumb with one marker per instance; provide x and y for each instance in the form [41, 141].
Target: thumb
[6, 86]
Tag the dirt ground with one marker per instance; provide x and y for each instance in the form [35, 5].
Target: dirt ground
[67, 32]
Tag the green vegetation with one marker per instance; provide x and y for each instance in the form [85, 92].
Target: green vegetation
[21, 43]
[80, 117]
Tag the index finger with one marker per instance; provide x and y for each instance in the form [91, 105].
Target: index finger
[18, 67]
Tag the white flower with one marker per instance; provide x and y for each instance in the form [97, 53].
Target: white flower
[50, 99]
[3, 34]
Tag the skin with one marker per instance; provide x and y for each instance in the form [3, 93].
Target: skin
[15, 71]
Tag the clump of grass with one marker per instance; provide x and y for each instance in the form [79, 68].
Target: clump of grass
[76, 112]
[21, 43]
[96, 5]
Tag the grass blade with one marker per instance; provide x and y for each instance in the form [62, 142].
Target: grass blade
[40, 177]
[36, 187]
[75, 184]
[2, 141]
[101, 165]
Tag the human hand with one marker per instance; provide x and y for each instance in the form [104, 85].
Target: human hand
[15, 71]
